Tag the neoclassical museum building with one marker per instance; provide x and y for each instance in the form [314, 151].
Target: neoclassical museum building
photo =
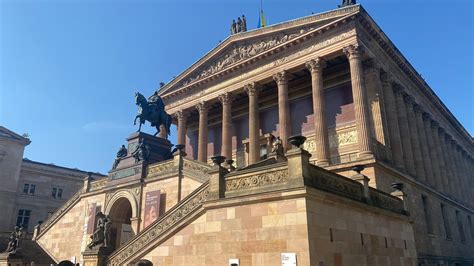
[384, 176]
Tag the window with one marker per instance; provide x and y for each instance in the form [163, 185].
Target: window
[29, 189]
[426, 210]
[446, 221]
[460, 227]
[23, 218]
[57, 193]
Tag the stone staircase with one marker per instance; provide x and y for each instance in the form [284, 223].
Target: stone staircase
[173, 220]
[41, 229]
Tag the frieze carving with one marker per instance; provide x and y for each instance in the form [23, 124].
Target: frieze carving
[157, 168]
[331, 38]
[245, 51]
[98, 184]
[334, 183]
[160, 227]
[197, 167]
[125, 173]
[310, 145]
[385, 201]
[260, 180]
[342, 139]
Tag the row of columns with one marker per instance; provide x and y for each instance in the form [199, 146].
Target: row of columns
[315, 66]
[421, 147]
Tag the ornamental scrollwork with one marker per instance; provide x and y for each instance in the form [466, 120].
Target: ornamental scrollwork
[268, 178]
[157, 168]
[342, 139]
[244, 51]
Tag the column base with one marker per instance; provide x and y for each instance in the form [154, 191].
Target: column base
[365, 155]
[323, 163]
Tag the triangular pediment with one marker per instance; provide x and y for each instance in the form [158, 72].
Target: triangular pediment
[243, 46]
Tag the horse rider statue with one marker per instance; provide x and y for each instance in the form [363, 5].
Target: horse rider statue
[152, 110]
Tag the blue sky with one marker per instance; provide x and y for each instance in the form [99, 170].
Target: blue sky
[69, 69]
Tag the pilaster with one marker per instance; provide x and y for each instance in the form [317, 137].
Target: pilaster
[415, 141]
[404, 129]
[392, 121]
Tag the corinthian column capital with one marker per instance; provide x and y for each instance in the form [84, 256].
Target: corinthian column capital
[281, 77]
[251, 89]
[181, 114]
[316, 64]
[202, 107]
[386, 78]
[353, 50]
[226, 98]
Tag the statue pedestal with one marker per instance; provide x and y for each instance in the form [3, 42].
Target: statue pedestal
[130, 168]
[96, 256]
[7, 259]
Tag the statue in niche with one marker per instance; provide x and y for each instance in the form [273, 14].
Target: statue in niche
[122, 153]
[101, 235]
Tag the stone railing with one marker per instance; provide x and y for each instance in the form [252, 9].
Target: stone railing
[334, 183]
[196, 166]
[161, 228]
[154, 169]
[386, 201]
[57, 214]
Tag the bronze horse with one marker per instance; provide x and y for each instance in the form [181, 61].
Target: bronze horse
[152, 111]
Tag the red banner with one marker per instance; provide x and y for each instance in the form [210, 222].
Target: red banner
[152, 207]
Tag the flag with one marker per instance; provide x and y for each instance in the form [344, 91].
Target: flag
[261, 20]
[261, 17]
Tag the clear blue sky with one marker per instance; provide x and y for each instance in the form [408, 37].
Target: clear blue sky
[69, 69]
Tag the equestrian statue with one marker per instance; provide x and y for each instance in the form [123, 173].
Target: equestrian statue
[152, 110]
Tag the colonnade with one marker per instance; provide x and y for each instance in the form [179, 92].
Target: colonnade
[316, 67]
[418, 144]
[422, 147]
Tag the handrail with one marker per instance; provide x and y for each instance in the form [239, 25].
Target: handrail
[161, 227]
[58, 213]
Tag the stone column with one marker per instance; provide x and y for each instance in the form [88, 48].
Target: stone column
[450, 146]
[353, 53]
[461, 175]
[447, 180]
[424, 144]
[203, 109]
[469, 179]
[392, 121]
[378, 121]
[254, 123]
[226, 100]
[415, 141]
[432, 152]
[316, 66]
[404, 130]
[438, 150]
[182, 117]
[284, 118]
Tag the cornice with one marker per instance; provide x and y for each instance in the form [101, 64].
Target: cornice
[371, 27]
[338, 15]
[195, 87]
